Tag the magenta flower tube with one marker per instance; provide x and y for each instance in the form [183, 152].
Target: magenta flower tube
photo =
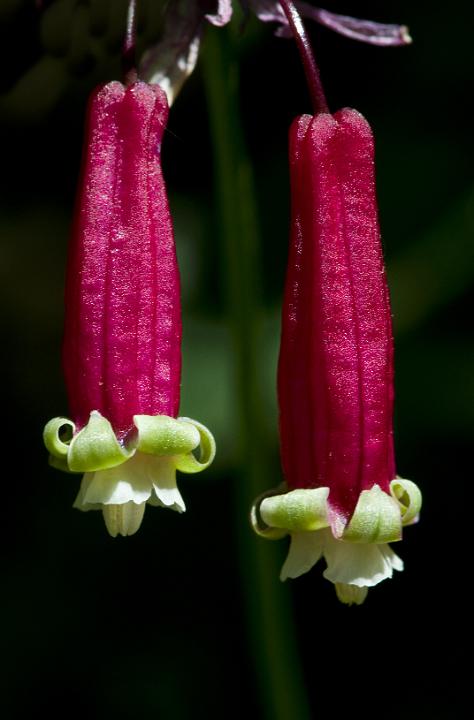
[335, 374]
[123, 322]
[122, 339]
[342, 331]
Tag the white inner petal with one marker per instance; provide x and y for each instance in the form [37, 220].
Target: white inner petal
[143, 478]
[391, 557]
[163, 477]
[305, 550]
[79, 501]
[363, 565]
[118, 485]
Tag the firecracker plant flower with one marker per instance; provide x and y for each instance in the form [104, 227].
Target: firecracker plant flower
[122, 340]
[342, 499]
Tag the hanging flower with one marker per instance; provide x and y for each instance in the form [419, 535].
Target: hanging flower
[342, 499]
[122, 342]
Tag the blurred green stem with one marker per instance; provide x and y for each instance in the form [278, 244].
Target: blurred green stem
[268, 607]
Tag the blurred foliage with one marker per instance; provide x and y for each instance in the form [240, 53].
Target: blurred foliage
[154, 627]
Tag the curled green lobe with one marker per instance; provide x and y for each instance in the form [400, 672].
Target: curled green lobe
[408, 496]
[187, 462]
[57, 435]
[298, 510]
[95, 447]
[378, 517]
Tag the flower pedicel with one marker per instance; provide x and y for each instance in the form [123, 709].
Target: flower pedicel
[122, 342]
[344, 501]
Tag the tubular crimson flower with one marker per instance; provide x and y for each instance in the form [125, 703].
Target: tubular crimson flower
[122, 342]
[335, 375]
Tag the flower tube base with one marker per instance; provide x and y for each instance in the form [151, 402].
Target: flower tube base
[120, 478]
[358, 555]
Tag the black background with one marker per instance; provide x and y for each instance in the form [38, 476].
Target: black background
[155, 626]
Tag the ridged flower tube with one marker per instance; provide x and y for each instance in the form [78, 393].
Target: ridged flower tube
[342, 499]
[122, 338]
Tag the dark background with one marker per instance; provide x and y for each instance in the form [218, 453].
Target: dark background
[155, 626]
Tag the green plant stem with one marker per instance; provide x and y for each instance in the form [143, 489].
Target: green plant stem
[269, 616]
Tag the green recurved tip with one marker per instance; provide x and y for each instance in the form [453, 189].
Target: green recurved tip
[377, 518]
[163, 435]
[57, 436]
[120, 478]
[303, 509]
[187, 462]
[408, 496]
[95, 447]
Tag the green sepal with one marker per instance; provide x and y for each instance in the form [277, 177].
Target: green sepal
[59, 463]
[300, 510]
[188, 463]
[96, 447]
[256, 521]
[51, 435]
[163, 435]
[376, 519]
[408, 496]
